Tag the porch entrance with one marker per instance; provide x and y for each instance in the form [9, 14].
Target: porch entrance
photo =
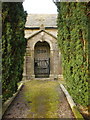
[42, 60]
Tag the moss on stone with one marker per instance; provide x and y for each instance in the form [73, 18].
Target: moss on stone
[77, 114]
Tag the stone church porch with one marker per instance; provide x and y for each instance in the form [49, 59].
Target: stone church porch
[43, 58]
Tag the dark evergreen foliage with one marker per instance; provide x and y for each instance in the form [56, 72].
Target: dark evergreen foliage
[13, 46]
[73, 43]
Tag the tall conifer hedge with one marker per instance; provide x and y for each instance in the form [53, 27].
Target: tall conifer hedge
[13, 46]
[73, 44]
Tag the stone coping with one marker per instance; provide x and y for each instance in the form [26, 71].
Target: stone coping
[73, 106]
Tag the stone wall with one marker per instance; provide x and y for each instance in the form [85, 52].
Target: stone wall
[34, 36]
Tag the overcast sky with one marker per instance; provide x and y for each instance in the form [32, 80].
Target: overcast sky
[40, 7]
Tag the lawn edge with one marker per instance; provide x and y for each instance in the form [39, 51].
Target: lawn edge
[73, 106]
[10, 100]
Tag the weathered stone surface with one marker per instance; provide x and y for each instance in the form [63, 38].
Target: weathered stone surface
[44, 34]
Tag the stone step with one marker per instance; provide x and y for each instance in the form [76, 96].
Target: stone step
[43, 79]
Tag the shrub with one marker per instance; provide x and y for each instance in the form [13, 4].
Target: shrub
[13, 46]
[73, 44]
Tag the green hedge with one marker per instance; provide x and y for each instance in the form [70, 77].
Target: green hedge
[73, 44]
[13, 46]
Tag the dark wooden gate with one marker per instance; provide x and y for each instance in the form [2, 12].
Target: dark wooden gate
[42, 68]
[42, 60]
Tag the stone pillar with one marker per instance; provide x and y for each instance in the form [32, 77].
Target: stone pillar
[56, 64]
[24, 68]
[32, 65]
[51, 65]
[28, 63]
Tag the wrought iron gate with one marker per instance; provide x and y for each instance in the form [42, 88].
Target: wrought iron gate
[42, 68]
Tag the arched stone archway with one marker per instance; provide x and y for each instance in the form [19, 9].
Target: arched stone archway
[35, 56]
[40, 40]
[42, 60]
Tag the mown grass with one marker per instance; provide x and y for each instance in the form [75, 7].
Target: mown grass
[43, 98]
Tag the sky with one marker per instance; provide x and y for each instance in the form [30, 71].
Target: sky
[40, 7]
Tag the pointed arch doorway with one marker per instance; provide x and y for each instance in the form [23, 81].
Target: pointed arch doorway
[42, 60]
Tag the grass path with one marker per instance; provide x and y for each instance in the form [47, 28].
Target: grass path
[40, 99]
[43, 98]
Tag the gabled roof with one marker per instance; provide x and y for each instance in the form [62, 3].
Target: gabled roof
[36, 20]
[40, 32]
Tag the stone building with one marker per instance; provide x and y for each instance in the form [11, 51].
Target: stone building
[43, 58]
